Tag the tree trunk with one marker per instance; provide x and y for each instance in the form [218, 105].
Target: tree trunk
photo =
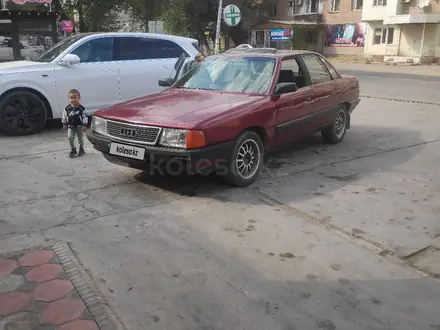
[82, 24]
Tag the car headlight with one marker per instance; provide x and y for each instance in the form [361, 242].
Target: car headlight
[173, 138]
[99, 125]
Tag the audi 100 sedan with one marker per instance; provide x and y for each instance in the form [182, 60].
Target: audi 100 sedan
[226, 113]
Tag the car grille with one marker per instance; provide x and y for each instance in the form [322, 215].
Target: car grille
[135, 133]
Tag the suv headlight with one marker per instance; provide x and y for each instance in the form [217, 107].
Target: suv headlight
[173, 138]
[99, 125]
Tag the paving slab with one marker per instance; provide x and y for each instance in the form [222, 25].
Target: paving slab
[43, 296]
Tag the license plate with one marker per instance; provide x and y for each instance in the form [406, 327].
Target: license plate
[127, 151]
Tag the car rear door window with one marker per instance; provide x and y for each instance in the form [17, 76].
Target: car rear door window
[96, 50]
[167, 49]
[317, 70]
[330, 68]
[135, 48]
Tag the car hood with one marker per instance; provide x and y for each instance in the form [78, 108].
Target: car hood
[180, 108]
[20, 66]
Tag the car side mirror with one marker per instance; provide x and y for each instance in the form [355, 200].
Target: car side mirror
[166, 82]
[70, 59]
[284, 88]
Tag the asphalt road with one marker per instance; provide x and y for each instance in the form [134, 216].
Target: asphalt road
[330, 238]
[403, 83]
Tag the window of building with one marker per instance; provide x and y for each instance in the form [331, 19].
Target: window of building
[295, 7]
[379, 2]
[313, 6]
[311, 37]
[382, 36]
[357, 4]
[390, 38]
[274, 9]
[335, 4]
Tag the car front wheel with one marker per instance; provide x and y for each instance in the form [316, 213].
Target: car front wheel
[22, 113]
[335, 132]
[246, 160]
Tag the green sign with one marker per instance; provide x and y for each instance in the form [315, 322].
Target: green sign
[232, 15]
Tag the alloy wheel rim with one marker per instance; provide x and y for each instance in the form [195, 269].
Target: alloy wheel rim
[23, 114]
[340, 123]
[248, 159]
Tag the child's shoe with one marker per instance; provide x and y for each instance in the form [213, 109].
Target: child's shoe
[81, 152]
[72, 153]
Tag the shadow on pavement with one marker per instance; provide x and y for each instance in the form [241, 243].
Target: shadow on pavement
[305, 156]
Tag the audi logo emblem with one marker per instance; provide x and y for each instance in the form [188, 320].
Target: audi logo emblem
[128, 132]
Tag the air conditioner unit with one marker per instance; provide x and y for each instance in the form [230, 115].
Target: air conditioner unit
[405, 1]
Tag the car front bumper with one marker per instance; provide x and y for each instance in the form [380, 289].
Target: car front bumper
[203, 160]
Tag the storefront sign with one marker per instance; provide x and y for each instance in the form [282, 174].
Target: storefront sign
[22, 2]
[67, 26]
[280, 34]
[345, 35]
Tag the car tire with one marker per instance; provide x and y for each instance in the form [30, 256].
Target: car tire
[246, 160]
[335, 132]
[22, 113]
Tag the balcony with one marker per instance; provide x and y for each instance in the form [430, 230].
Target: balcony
[307, 18]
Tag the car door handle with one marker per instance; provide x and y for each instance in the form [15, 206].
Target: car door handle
[166, 66]
[107, 70]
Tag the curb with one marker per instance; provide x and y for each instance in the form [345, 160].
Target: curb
[86, 289]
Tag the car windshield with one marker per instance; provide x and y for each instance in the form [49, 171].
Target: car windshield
[250, 74]
[53, 52]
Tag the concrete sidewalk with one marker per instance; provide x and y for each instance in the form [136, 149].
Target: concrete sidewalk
[422, 70]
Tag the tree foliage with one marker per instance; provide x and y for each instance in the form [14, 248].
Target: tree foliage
[195, 17]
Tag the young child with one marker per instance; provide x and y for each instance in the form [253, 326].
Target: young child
[75, 119]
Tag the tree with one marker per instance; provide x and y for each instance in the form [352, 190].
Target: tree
[146, 10]
[194, 17]
[96, 15]
[252, 11]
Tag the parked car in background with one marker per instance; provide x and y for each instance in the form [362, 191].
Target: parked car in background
[107, 68]
[224, 115]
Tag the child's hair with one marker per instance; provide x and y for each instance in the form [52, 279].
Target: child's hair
[74, 91]
[199, 57]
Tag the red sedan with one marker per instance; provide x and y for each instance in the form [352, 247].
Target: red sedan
[224, 114]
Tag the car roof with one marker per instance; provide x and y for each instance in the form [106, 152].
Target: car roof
[266, 52]
[138, 34]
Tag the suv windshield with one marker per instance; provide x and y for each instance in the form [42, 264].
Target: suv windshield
[53, 52]
[252, 75]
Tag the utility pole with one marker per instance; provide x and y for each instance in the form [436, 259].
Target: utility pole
[219, 22]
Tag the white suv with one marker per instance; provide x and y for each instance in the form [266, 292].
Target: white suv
[107, 68]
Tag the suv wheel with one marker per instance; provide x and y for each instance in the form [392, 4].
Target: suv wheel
[335, 132]
[22, 113]
[246, 160]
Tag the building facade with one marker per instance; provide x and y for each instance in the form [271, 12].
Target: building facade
[402, 30]
[278, 30]
[344, 33]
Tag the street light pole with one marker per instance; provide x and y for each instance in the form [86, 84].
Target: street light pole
[219, 22]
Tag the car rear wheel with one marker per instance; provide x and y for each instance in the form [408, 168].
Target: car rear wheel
[246, 160]
[22, 113]
[335, 132]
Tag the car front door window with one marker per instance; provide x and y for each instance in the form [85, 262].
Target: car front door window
[317, 70]
[96, 50]
[291, 72]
